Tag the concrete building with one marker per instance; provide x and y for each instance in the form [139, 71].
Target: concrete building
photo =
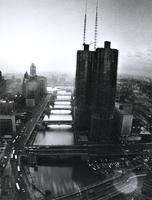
[83, 92]
[42, 84]
[7, 118]
[2, 84]
[124, 118]
[104, 85]
[33, 70]
[34, 88]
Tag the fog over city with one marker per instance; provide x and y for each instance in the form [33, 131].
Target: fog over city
[49, 32]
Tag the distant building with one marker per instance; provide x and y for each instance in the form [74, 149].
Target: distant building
[42, 85]
[7, 118]
[124, 118]
[13, 86]
[34, 88]
[33, 70]
[2, 84]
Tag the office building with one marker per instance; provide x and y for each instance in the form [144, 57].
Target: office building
[104, 85]
[34, 88]
[83, 96]
[7, 118]
[2, 85]
[33, 70]
[124, 118]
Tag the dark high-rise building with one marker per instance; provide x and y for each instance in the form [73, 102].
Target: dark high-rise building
[0, 75]
[2, 85]
[83, 82]
[104, 85]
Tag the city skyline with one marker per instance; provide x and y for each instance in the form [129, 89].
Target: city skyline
[38, 31]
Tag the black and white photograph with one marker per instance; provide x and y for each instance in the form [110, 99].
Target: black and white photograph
[75, 99]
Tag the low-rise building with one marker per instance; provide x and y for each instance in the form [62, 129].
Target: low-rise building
[124, 118]
[7, 118]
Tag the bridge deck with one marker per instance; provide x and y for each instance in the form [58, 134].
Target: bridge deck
[90, 150]
[53, 122]
[64, 108]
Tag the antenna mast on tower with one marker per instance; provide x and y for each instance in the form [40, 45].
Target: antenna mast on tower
[96, 27]
[85, 22]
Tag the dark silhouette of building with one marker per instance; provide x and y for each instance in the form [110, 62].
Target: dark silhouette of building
[104, 87]
[83, 80]
[95, 90]
[2, 84]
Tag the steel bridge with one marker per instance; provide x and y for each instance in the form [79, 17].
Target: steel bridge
[60, 108]
[93, 150]
[58, 122]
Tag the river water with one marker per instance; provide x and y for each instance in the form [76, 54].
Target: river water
[60, 178]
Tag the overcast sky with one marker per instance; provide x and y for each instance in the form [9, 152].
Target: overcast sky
[49, 32]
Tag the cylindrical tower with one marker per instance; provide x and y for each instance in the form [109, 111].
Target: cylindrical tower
[104, 84]
[83, 95]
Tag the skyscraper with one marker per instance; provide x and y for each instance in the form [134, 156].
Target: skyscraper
[83, 80]
[104, 85]
[33, 70]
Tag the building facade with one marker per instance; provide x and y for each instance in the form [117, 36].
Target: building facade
[2, 84]
[83, 92]
[33, 70]
[7, 118]
[104, 84]
[124, 119]
[34, 88]
[95, 90]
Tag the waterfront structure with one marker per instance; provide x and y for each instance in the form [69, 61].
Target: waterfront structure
[124, 118]
[83, 92]
[95, 89]
[104, 85]
[7, 117]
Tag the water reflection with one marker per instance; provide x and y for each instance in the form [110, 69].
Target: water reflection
[55, 135]
[63, 92]
[63, 97]
[62, 180]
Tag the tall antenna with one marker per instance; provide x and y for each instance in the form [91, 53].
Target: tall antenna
[96, 26]
[85, 22]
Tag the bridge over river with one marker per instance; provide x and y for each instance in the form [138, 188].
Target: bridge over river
[85, 151]
[64, 180]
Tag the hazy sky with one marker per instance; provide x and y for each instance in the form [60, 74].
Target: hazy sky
[49, 32]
